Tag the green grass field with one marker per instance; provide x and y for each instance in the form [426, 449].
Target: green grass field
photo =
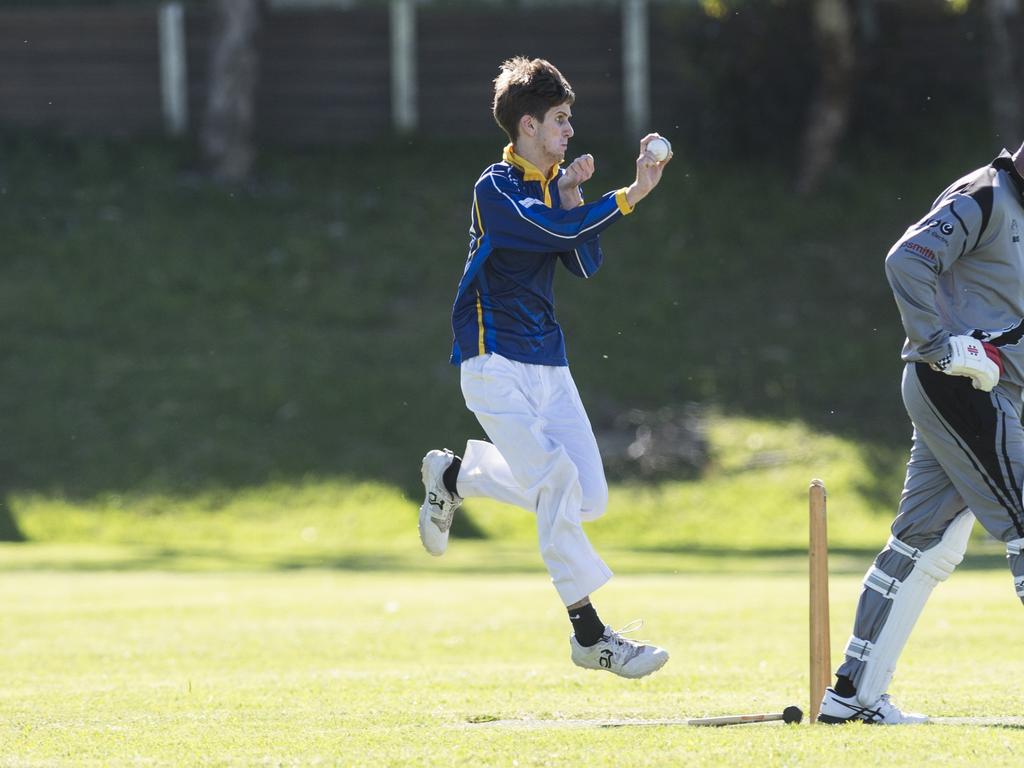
[301, 624]
[749, 505]
[365, 669]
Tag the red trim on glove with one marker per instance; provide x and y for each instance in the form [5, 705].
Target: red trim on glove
[994, 355]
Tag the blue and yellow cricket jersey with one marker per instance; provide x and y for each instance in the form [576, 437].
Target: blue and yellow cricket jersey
[518, 233]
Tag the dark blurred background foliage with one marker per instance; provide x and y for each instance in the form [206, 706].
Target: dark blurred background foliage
[169, 327]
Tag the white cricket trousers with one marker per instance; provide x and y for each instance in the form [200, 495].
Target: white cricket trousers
[542, 457]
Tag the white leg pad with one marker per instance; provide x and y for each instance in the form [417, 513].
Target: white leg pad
[908, 599]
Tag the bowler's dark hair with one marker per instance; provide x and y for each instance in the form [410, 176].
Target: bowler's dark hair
[527, 87]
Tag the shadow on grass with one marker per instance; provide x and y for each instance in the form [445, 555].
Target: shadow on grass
[478, 558]
[9, 530]
[841, 559]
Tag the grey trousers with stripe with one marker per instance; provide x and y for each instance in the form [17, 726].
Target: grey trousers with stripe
[967, 453]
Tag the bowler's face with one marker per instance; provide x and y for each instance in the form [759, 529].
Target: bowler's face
[555, 131]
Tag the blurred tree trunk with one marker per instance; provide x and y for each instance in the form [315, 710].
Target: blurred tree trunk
[226, 134]
[1004, 71]
[9, 530]
[830, 110]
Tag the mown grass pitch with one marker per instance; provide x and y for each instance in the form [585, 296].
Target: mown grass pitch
[315, 667]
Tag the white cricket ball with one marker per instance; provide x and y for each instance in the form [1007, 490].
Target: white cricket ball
[659, 148]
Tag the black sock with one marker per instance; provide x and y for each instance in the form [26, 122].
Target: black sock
[451, 475]
[586, 624]
[844, 686]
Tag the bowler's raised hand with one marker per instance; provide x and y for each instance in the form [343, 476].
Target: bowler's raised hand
[577, 172]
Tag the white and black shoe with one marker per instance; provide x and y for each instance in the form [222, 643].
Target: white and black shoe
[619, 655]
[439, 504]
[839, 709]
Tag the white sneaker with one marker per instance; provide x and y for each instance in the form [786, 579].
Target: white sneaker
[838, 709]
[439, 504]
[619, 655]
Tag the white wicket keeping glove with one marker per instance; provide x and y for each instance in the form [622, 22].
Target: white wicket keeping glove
[975, 359]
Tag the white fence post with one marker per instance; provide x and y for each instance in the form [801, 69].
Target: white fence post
[635, 69]
[173, 77]
[403, 65]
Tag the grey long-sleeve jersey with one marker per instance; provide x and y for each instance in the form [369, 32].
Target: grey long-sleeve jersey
[960, 269]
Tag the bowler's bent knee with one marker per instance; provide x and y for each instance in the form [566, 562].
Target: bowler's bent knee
[594, 502]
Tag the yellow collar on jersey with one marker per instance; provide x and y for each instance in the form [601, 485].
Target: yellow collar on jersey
[530, 171]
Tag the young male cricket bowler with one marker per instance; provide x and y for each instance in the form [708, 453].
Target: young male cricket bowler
[958, 279]
[527, 218]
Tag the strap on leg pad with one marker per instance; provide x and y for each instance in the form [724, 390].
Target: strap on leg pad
[1015, 548]
[908, 598]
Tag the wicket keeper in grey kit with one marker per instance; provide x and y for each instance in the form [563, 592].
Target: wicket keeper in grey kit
[958, 279]
[528, 220]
